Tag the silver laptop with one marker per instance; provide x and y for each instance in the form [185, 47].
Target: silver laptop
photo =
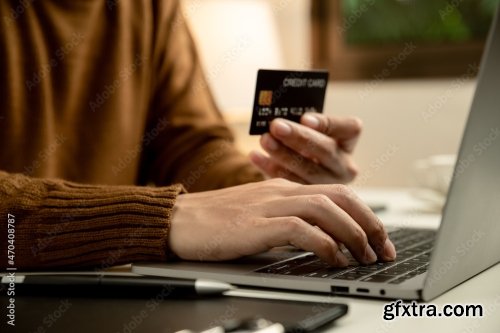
[429, 262]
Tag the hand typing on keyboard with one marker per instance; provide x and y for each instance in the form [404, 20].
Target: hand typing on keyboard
[414, 248]
[248, 219]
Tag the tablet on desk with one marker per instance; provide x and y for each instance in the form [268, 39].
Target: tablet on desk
[158, 314]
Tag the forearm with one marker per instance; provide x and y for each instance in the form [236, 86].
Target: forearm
[63, 224]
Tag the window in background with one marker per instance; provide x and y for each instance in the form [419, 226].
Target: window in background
[373, 39]
[235, 39]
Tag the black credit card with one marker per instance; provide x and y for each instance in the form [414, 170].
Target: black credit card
[286, 94]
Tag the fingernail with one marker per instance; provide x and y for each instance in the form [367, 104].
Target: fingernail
[370, 255]
[257, 157]
[310, 120]
[389, 250]
[282, 128]
[270, 143]
[341, 259]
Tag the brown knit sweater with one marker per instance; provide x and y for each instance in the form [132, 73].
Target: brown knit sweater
[101, 101]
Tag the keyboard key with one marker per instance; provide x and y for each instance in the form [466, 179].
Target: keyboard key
[411, 274]
[403, 255]
[328, 272]
[423, 269]
[418, 261]
[301, 270]
[378, 278]
[350, 276]
[368, 269]
[403, 245]
[399, 280]
[395, 271]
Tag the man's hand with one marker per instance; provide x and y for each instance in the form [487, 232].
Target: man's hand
[248, 219]
[317, 151]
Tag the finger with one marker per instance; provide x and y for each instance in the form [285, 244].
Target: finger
[364, 216]
[315, 146]
[305, 168]
[280, 231]
[273, 169]
[346, 130]
[345, 198]
[318, 209]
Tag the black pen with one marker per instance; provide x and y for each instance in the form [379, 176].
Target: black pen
[114, 285]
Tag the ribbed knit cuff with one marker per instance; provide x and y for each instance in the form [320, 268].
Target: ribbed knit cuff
[99, 226]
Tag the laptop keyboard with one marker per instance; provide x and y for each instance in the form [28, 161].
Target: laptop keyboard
[413, 248]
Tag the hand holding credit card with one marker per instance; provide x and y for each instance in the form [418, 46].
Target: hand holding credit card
[286, 94]
[303, 145]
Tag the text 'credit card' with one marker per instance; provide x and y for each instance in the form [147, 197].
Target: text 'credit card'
[286, 94]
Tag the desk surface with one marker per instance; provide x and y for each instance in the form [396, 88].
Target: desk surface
[50, 314]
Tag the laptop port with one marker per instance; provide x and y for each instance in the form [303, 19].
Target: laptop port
[338, 289]
[363, 290]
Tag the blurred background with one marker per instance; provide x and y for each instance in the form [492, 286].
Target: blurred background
[407, 68]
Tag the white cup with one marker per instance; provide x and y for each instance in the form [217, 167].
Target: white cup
[435, 172]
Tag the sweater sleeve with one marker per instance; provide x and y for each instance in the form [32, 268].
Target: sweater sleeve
[190, 142]
[57, 223]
